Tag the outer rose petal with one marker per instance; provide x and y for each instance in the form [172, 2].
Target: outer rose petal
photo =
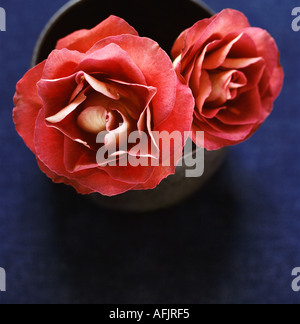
[249, 107]
[179, 44]
[267, 48]
[28, 104]
[221, 25]
[102, 183]
[181, 40]
[83, 40]
[58, 179]
[56, 94]
[96, 182]
[49, 144]
[112, 60]
[181, 117]
[212, 143]
[160, 173]
[61, 64]
[77, 157]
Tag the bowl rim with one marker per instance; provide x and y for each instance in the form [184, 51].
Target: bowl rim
[64, 9]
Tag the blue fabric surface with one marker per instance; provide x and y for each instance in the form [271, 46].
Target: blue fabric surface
[236, 241]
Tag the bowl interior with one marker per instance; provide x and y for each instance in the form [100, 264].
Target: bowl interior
[161, 20]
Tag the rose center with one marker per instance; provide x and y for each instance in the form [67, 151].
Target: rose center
[225, 85]
[93, 119]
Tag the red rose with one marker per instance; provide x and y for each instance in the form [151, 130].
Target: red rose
[107, 78]
[234, 73]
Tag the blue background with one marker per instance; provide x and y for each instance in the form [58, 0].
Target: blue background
[237, 241]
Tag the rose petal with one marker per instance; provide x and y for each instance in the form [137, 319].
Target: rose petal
[276, 80]
[212, 143]
[240, 63]
[130, 174]
[244, 47]
[69, 125]
[265, 45]
[224, 86]
[101, 182]
[56, 94]
[156, 67]
[28, 104]
[83, 40]
[254, 74]
[267, 48]
[77, 157]
[112, 60]
[267, 102]
[97, 181]
[220, 25]
[61, 64]
[160, 173]
[138, 97]
[101, 87]
[197, 73]
[59, 179]
[179, 45]
[181, 118]
[234, 133]
[216, 58]
[210, 113]
[145, 125]
[203, 92]
[49, 144]
[273, 91]
[244, 111]
[62, 114]
[191, 66]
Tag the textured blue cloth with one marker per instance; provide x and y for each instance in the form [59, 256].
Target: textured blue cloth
[236, 241]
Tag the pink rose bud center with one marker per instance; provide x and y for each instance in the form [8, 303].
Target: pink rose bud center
[225, 85]
[93, 119]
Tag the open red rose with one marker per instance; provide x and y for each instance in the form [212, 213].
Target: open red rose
[234, 73]
[104, 79]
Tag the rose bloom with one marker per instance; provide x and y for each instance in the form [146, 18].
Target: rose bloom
[104, 79]
[234, 73]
